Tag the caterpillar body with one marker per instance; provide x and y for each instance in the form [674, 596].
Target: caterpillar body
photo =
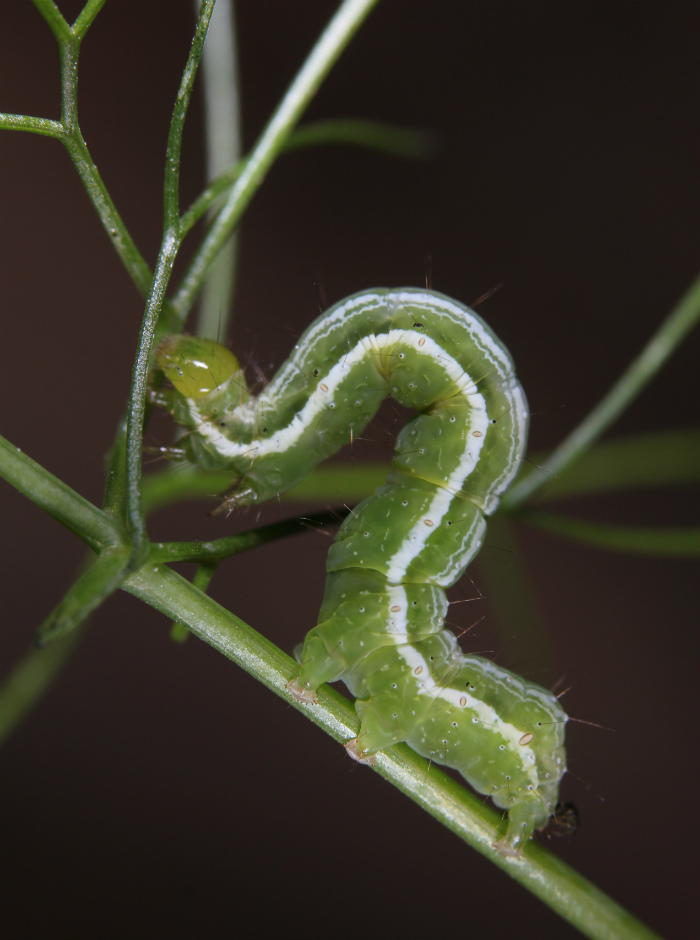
[381, 627]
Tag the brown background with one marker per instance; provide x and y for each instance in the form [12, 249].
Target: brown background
[158, 791]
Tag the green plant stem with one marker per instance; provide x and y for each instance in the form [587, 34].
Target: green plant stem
[67, 130]
[667, 338]
[222, 135]
[166, 258]
[663, 458]
[34, 125]
[179, 631]
[99, 580]
[30, 679]
[406, 142]
[94, 527]
[680, 542]
[55, 20]
[333, 41]
[550, 879]
[217, 550]
[462, 812]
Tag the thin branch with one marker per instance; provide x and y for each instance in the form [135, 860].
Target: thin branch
[218, 549]
[166, 259]
[86, 18]
[34, 125]
[56, 498]
[406, 142]
[30, 679]
[550, 879]
[336, 37]
[667, 338]
[222, 132]
[53, 16]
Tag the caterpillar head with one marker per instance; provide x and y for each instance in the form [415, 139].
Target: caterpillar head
[195, 366]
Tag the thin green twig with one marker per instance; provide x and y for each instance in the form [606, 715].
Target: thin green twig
[667, 338]
[222, 135]
[462, 812]
[217, 550]
[333, 41]
[550, 879]
[54, 18]
[30, 679]
[34, 125]
[97, 529]
[678, 542]
[406, 142]
[67, 130]
[166, 259]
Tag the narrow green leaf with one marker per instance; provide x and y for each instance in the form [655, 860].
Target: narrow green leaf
[180, 483]
[670, 334]
[675, 542]
[666, 458]
[30, 679]
[406, 142]
[410, 143]
[101, 579]
[512, 599]
[323, 56]
[339, 483]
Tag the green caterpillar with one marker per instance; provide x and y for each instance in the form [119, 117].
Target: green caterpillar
[381, 626]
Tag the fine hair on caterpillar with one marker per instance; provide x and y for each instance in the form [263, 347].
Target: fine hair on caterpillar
[381, 628]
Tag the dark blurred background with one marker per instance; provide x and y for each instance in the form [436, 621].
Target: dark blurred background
[160, 792]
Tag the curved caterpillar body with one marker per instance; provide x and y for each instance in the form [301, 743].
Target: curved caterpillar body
[381, 626]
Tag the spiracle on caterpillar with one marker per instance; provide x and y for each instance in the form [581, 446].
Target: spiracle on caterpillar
[381, 628]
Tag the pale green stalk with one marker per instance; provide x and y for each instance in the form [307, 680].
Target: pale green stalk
[323, 56]
[222, 135]
[636, 377]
